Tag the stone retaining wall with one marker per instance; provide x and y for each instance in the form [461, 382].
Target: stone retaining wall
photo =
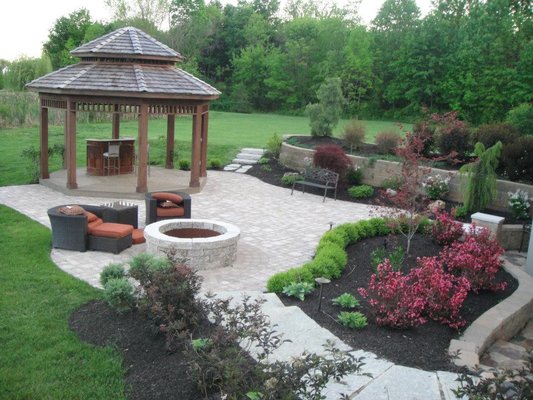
[376, 171]
[500, 322]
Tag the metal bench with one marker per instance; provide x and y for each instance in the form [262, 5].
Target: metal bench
[319, 178]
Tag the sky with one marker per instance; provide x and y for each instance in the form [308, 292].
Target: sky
[25, 24]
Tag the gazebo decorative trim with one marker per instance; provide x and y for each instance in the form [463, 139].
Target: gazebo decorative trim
[126, 71]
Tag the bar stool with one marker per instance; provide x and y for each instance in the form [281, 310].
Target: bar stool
[112, 153]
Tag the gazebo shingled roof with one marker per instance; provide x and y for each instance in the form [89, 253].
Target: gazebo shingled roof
[124, 79]
[125, 61]
[119, 72]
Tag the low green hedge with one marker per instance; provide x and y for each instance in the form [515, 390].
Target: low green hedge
[361, 191]
[331, 257]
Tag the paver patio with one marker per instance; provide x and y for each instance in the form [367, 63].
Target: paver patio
[278, 231]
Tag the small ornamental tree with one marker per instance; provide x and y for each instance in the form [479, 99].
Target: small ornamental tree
[325, 114]
[408, 204]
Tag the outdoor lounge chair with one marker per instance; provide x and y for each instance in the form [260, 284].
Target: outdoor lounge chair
[89, 231]
[167, 205]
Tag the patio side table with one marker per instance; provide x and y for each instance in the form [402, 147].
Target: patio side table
[121, 212]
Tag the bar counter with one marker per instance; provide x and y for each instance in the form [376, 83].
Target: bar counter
[95, 155]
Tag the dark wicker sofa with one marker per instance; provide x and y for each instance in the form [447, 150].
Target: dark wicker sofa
[155, 212]
[71, 232]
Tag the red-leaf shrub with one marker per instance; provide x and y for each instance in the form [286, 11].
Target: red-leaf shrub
[442, 292]
[446, 230]
[452, 135]
[393, 298]
[477, 258]
[332, 157]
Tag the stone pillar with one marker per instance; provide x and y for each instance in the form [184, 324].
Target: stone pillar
[529, 262]
[492, 222]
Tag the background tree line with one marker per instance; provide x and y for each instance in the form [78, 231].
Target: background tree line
[470, 56]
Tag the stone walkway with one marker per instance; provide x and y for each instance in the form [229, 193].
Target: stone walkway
[278, 231]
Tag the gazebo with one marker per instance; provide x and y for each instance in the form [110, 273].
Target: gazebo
[126, 71]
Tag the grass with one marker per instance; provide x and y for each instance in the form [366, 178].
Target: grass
[228, 132]
[40, 358]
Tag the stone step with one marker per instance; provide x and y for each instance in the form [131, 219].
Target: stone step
[253, 151]
[243, 161]
[232, 167]
[244, 169]
[249, 156]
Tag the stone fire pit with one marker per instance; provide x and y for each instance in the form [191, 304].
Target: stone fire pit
[201, 244]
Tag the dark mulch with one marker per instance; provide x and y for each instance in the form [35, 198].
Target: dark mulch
[423, 347]
[151, 371]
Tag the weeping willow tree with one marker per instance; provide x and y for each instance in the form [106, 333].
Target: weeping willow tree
[480, 187]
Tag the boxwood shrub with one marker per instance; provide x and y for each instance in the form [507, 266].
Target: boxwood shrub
[361, 191]
[331, 257]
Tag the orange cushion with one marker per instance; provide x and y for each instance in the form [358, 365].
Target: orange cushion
[90, 216]
[112, 230]
[170, 212]
[94, 224]
[162, 196]
[137, 236]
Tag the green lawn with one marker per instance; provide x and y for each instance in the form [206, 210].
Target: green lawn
[40, 357]
[227, 133]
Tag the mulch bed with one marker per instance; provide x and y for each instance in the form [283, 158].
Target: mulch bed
[423, 347]
[151, 371]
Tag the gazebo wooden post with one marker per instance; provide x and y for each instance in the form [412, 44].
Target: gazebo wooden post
[45, 174]
[142, 180]
[116, 122]
[196, 147]
[65, 134]
[203, 156]
[70, 148]
[171, 123]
